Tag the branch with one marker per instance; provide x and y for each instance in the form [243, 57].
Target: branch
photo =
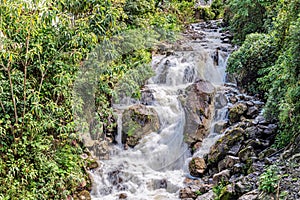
[2, 106]
[25, 78]
[12, 91]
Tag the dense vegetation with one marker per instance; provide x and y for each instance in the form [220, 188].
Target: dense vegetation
[268, 61]
[43, 45]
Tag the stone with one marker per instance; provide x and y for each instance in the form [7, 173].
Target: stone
[236, 112]
[235, 149]
[219, 150]
[220, 101]
[123, 196]
[228, 162]
[252, 112]
[101, 149]
[147, 97]
[252, 195]
[233, 99]
[266, 152]
[241, 188]
[197, 102]
[197, 167]
[220, 126]
[207, 196]
[238, 168]
[246, 153]
[252, 132]
[92, 164]
[187, 193]
[137, 122]
[221, 176]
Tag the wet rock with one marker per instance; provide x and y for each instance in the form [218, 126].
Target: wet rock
[252, 112]
[220, 126]
[220, 100]
[219, 150]
[236, 112]
[197, 167]
[186, 193]
[228, 162]
[207, 196]
[253, 195]
[197, 102]
[101, 149]
[221, 176]
[252, 132]
[147, 97]
[246, 153]
[233, 99]
[92, 164]
[138, 121]
[238, 168]
[235, 149]
[123, 196]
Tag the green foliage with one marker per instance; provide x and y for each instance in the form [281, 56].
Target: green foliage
[43, 45]
[269, 63]
[214, 11]
[205, 13]
[269, 179]
[246, 17]
[258, 52]
[198, 193]
[219, 189]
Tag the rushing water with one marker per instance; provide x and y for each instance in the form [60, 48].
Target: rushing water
[154, 169]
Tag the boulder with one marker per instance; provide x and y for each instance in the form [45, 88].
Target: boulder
[123, 196]
[220, 126]
[246, 153]
[219, 150]
[236, 112]
[221, 176]
[228, 162]
[220, 100]
[138, 121]
[207, 196]
[197, 102]
[252, 195]
[197, 167]
[252, 112]
[187, 193]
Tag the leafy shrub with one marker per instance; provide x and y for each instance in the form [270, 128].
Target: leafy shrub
[250, 62]
[269, 179]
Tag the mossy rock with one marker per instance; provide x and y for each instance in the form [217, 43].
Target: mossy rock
[138, 121]
[220, 149]
[197, 166]
[236, 112]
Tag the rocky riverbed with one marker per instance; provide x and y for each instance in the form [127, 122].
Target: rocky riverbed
[243, 164]
[187, 113]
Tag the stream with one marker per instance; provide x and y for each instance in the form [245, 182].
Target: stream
[155, 169]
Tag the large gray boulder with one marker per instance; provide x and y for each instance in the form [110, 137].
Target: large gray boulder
[197, 102]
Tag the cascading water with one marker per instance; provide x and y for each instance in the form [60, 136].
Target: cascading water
[154, 169]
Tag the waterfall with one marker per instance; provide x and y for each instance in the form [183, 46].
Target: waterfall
[154, 169]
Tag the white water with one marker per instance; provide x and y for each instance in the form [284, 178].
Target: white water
[154, 169]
